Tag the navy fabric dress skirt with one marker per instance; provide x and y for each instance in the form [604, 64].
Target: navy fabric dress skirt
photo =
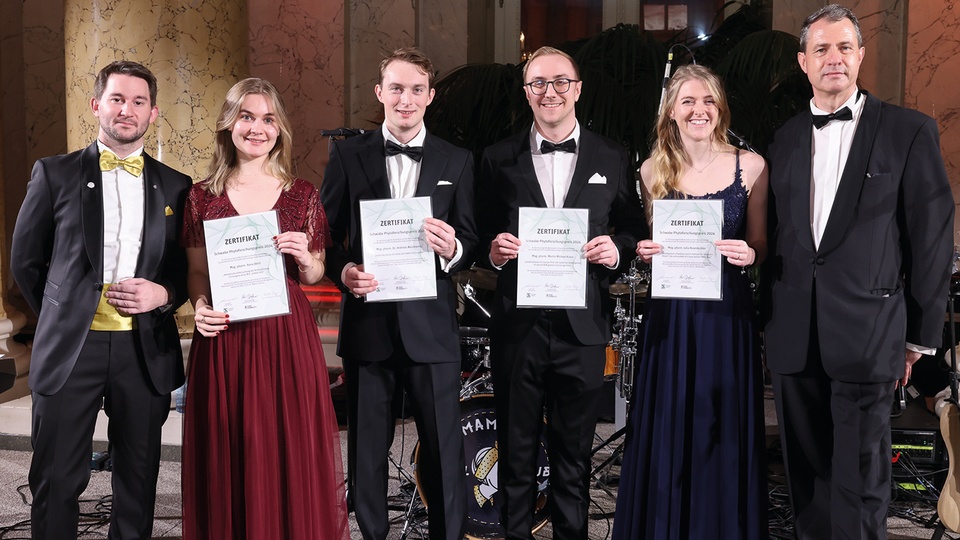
[694, 463]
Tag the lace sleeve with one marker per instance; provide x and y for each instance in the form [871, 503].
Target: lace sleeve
[316, 228]
[192, 233]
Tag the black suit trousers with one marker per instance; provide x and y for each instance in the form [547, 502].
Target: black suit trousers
[109, 372]
[434, 394]
[546, 372]
[836, 450]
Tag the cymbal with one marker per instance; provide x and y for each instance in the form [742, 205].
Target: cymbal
[480, 278]
[623, 289]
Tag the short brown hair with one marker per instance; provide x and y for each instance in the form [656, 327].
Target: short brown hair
[410, 55]
[832, 13]
[125, 67]
[546, 51]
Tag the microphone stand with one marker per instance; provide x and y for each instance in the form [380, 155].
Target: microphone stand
[339, 133]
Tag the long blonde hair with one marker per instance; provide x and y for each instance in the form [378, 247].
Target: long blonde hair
[224, 162]
[668, 154]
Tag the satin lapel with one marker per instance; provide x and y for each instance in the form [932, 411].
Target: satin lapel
[582, 172]
[854, 172]
[799, 182]
[431, 166]
[91, 206]
[374, 164]
[154, 220]
[526, 172]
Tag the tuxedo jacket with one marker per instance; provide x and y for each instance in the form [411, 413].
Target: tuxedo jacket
[57, 261]
[603, 183]
[881, 274]
[357, 171]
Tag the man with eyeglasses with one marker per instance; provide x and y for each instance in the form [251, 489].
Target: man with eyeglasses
[551, 360]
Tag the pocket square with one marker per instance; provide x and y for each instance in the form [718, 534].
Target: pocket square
[597, 179]
[444, 183]
[168, 211]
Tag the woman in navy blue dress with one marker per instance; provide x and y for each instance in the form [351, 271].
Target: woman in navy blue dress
[694, 458]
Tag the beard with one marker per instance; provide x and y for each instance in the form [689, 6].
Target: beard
[119, 136]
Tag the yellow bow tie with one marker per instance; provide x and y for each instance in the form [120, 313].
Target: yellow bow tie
[109, 161]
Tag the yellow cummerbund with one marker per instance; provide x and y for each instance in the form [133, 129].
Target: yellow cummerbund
[108, 319]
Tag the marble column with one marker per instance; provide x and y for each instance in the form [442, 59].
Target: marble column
[882, 27]
[373, 30]
[442, 33]
[933, 68]
[197, 50]
[298, 45]
[14, 357]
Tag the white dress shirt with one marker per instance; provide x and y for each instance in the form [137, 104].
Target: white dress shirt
[402, 170]
[554, 170]
[830, 148]
[122, 220]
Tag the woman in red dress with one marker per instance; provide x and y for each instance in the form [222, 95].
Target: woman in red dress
[261, 448]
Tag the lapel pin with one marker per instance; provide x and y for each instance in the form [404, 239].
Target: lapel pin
[91, 185]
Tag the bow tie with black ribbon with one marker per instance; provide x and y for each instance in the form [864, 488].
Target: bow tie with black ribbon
[109, 161]
[413, 152]
[568, 145]
[820, 120]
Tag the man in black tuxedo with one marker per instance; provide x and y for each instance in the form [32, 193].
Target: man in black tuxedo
[96, 254]
[553, 359]
[413, 344]
[860, 270]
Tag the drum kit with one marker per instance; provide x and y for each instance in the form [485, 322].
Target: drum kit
[478, 418]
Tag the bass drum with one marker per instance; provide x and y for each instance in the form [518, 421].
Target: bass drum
[478, 422]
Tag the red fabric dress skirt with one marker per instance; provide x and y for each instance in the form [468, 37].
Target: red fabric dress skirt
[261, 446]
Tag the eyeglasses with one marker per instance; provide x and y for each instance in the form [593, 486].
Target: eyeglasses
[560, 86]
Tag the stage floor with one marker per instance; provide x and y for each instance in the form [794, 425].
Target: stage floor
[15, 460]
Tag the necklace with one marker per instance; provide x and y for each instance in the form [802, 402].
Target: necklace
[705, 166]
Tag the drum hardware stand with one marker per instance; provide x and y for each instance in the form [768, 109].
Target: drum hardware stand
[473, 382]
[624, 342]
[471, 386]
[407, 482]
[626, 328]
[471, 294]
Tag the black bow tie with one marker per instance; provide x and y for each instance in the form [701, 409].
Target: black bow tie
[820, 120]
[413, 152]
[568, 145]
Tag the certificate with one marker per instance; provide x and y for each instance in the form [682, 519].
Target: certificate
[690, 264]
[247, 275]
[551, 268]
[395, 250]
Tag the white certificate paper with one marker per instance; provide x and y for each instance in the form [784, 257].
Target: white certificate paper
[551, 268]
[247, 277]
[395, 251]
[690, 264]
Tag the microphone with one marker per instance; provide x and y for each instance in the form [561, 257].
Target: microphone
[666, 79]
[341, 132]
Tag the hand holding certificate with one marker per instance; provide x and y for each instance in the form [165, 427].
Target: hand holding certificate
[552, 271]
[247, 277]
[394, 249]
[689, 265]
